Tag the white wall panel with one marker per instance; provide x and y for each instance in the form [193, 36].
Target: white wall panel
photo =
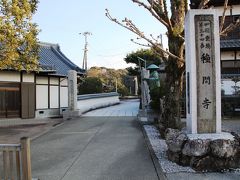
[238, 55]
[41, 96]
[227, 55]
[236, 10]
[220, 11]
[54, 80]
[64, 96]
[28, 77]
[10, 76]
[41, 80]
[54, 98]
[64, 81]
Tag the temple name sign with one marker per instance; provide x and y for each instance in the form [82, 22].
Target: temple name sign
[203, 94]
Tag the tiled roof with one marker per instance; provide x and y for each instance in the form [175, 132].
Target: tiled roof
[52, 60]
[230, 44]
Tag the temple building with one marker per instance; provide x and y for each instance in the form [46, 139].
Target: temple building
[230, 55]
[37, 94]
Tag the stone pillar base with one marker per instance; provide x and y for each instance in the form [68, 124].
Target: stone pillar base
[204, 152]
[71, 114]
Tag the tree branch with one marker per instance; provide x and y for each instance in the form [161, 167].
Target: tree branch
[141, 44]
[223, 16]
[160, 7]
[186, 6]
[166, 14]
[230, 28]
[183, 39]
[153, 12]
[128, 24]
[203, 4]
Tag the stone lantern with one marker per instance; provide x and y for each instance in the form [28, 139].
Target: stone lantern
[153, 80]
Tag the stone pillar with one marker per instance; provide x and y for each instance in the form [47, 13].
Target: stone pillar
[203, 78]
[72, 96]
[136, 85]
[72, 90]
[144, 89]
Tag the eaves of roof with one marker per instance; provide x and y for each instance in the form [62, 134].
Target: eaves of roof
[52, 59]
[230, 44]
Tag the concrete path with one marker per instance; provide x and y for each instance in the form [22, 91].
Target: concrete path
[125, 108]
[94, 148]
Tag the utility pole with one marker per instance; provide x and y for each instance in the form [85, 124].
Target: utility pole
[84, 65]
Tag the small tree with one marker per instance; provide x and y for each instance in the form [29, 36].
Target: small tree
[90, 85]
[175, 63]
[18, 36]
[110, 78]
[147, 54]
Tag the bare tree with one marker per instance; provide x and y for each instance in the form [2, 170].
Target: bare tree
[174, 23]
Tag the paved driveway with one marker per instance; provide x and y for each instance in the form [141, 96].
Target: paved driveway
[94, 148]
[125, 108]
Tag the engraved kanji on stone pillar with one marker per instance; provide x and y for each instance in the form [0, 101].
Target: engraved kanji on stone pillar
[203, 72]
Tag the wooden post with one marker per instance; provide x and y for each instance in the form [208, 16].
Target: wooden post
[18, 166]
[26, 158]
[6, 165]
[11, 168]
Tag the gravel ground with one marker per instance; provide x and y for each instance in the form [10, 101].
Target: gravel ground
[160, 147]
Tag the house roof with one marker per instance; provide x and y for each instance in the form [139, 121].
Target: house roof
[230, 44]
[54, 62]
[195, 3]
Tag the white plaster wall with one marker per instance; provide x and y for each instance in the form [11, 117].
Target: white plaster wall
[235, 10]
[10, 76]
[46, 113]
[54, 80]
[64, 81]
[227, 86]
[89, 104]
[41, 80]
[41, 96]
[238, 55]
[227, 55]
[220, 11]
[28, 77]
[64, 96]
[54, 102]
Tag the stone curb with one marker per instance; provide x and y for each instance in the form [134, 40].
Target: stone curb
[161, 175]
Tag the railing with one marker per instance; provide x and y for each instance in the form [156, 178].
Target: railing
[16, 161]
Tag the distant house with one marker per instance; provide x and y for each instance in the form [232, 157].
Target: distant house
[230, 56]
[230, 45]
[37, 94]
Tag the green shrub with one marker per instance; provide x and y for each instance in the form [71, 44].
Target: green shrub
[155, 94]
[90, 85]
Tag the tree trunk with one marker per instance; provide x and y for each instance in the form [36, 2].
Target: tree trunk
[174, 82]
